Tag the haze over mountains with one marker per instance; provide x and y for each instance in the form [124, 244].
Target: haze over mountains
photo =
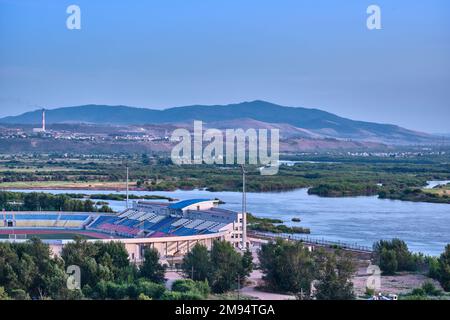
[293, 122]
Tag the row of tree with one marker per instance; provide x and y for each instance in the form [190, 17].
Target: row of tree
[31, 271]
[36, 201]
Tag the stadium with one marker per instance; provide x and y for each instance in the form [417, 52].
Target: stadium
[171, 228]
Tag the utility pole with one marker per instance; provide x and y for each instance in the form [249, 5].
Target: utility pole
[244, 211]
[238, 286]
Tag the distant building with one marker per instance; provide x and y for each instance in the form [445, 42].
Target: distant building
[42, 129]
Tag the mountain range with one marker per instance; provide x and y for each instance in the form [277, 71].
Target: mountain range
[293, 122]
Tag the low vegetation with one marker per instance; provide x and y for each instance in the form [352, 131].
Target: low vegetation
[272, 226]
[427, 291]
[415, 195]
[38, 201]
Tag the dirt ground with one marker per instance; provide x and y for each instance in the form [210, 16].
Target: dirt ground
[400, 283]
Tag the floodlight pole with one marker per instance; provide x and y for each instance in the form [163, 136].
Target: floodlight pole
[127, 187]
[244, 211]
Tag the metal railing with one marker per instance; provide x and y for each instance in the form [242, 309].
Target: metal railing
[310, 240]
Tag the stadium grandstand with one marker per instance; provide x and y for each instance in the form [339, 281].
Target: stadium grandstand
[171, 228]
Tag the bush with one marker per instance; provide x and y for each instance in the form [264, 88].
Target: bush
[427, 289]
[144, 297]
[370, 292]
[430, 289]
[188, 285]
[418, 292]
[3, 294]
[150, 289]
[175, 295]
[19, 294]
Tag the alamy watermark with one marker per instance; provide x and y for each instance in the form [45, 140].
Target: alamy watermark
[232, 146]
[74, 279]
[73, 21]
[374, 20]
[374, 280]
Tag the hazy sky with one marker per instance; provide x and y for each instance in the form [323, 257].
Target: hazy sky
[163, 53]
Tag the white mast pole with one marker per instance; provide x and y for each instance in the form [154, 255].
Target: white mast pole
[127, 186]
[43, 120]
[244, 211]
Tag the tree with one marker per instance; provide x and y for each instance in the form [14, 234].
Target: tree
[247, 263]
[99, 261]
[227, 267]
[151, 269]
[197, 263]
[334, 276]
[444, 268]
[388, 261]
[287, 266]
[50, 278]
[223, 267]
[394, 255]
[82, 254]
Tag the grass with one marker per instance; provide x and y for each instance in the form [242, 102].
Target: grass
[440, 191]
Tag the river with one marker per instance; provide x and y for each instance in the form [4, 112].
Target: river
[362, 220]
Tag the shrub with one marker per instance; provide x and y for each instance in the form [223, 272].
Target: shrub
[19, 294]
[144, 297]
[188, 285]
[150, 289]
[175, 295]
[418, 292]
[430, 289]
[370, 292]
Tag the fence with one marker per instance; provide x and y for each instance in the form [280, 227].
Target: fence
[316, 241]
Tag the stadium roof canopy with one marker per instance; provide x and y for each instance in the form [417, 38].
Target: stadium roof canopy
[185, 203]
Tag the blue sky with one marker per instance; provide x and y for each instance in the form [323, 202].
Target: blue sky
[164, 53]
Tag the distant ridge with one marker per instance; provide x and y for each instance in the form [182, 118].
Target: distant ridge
[313, 123]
